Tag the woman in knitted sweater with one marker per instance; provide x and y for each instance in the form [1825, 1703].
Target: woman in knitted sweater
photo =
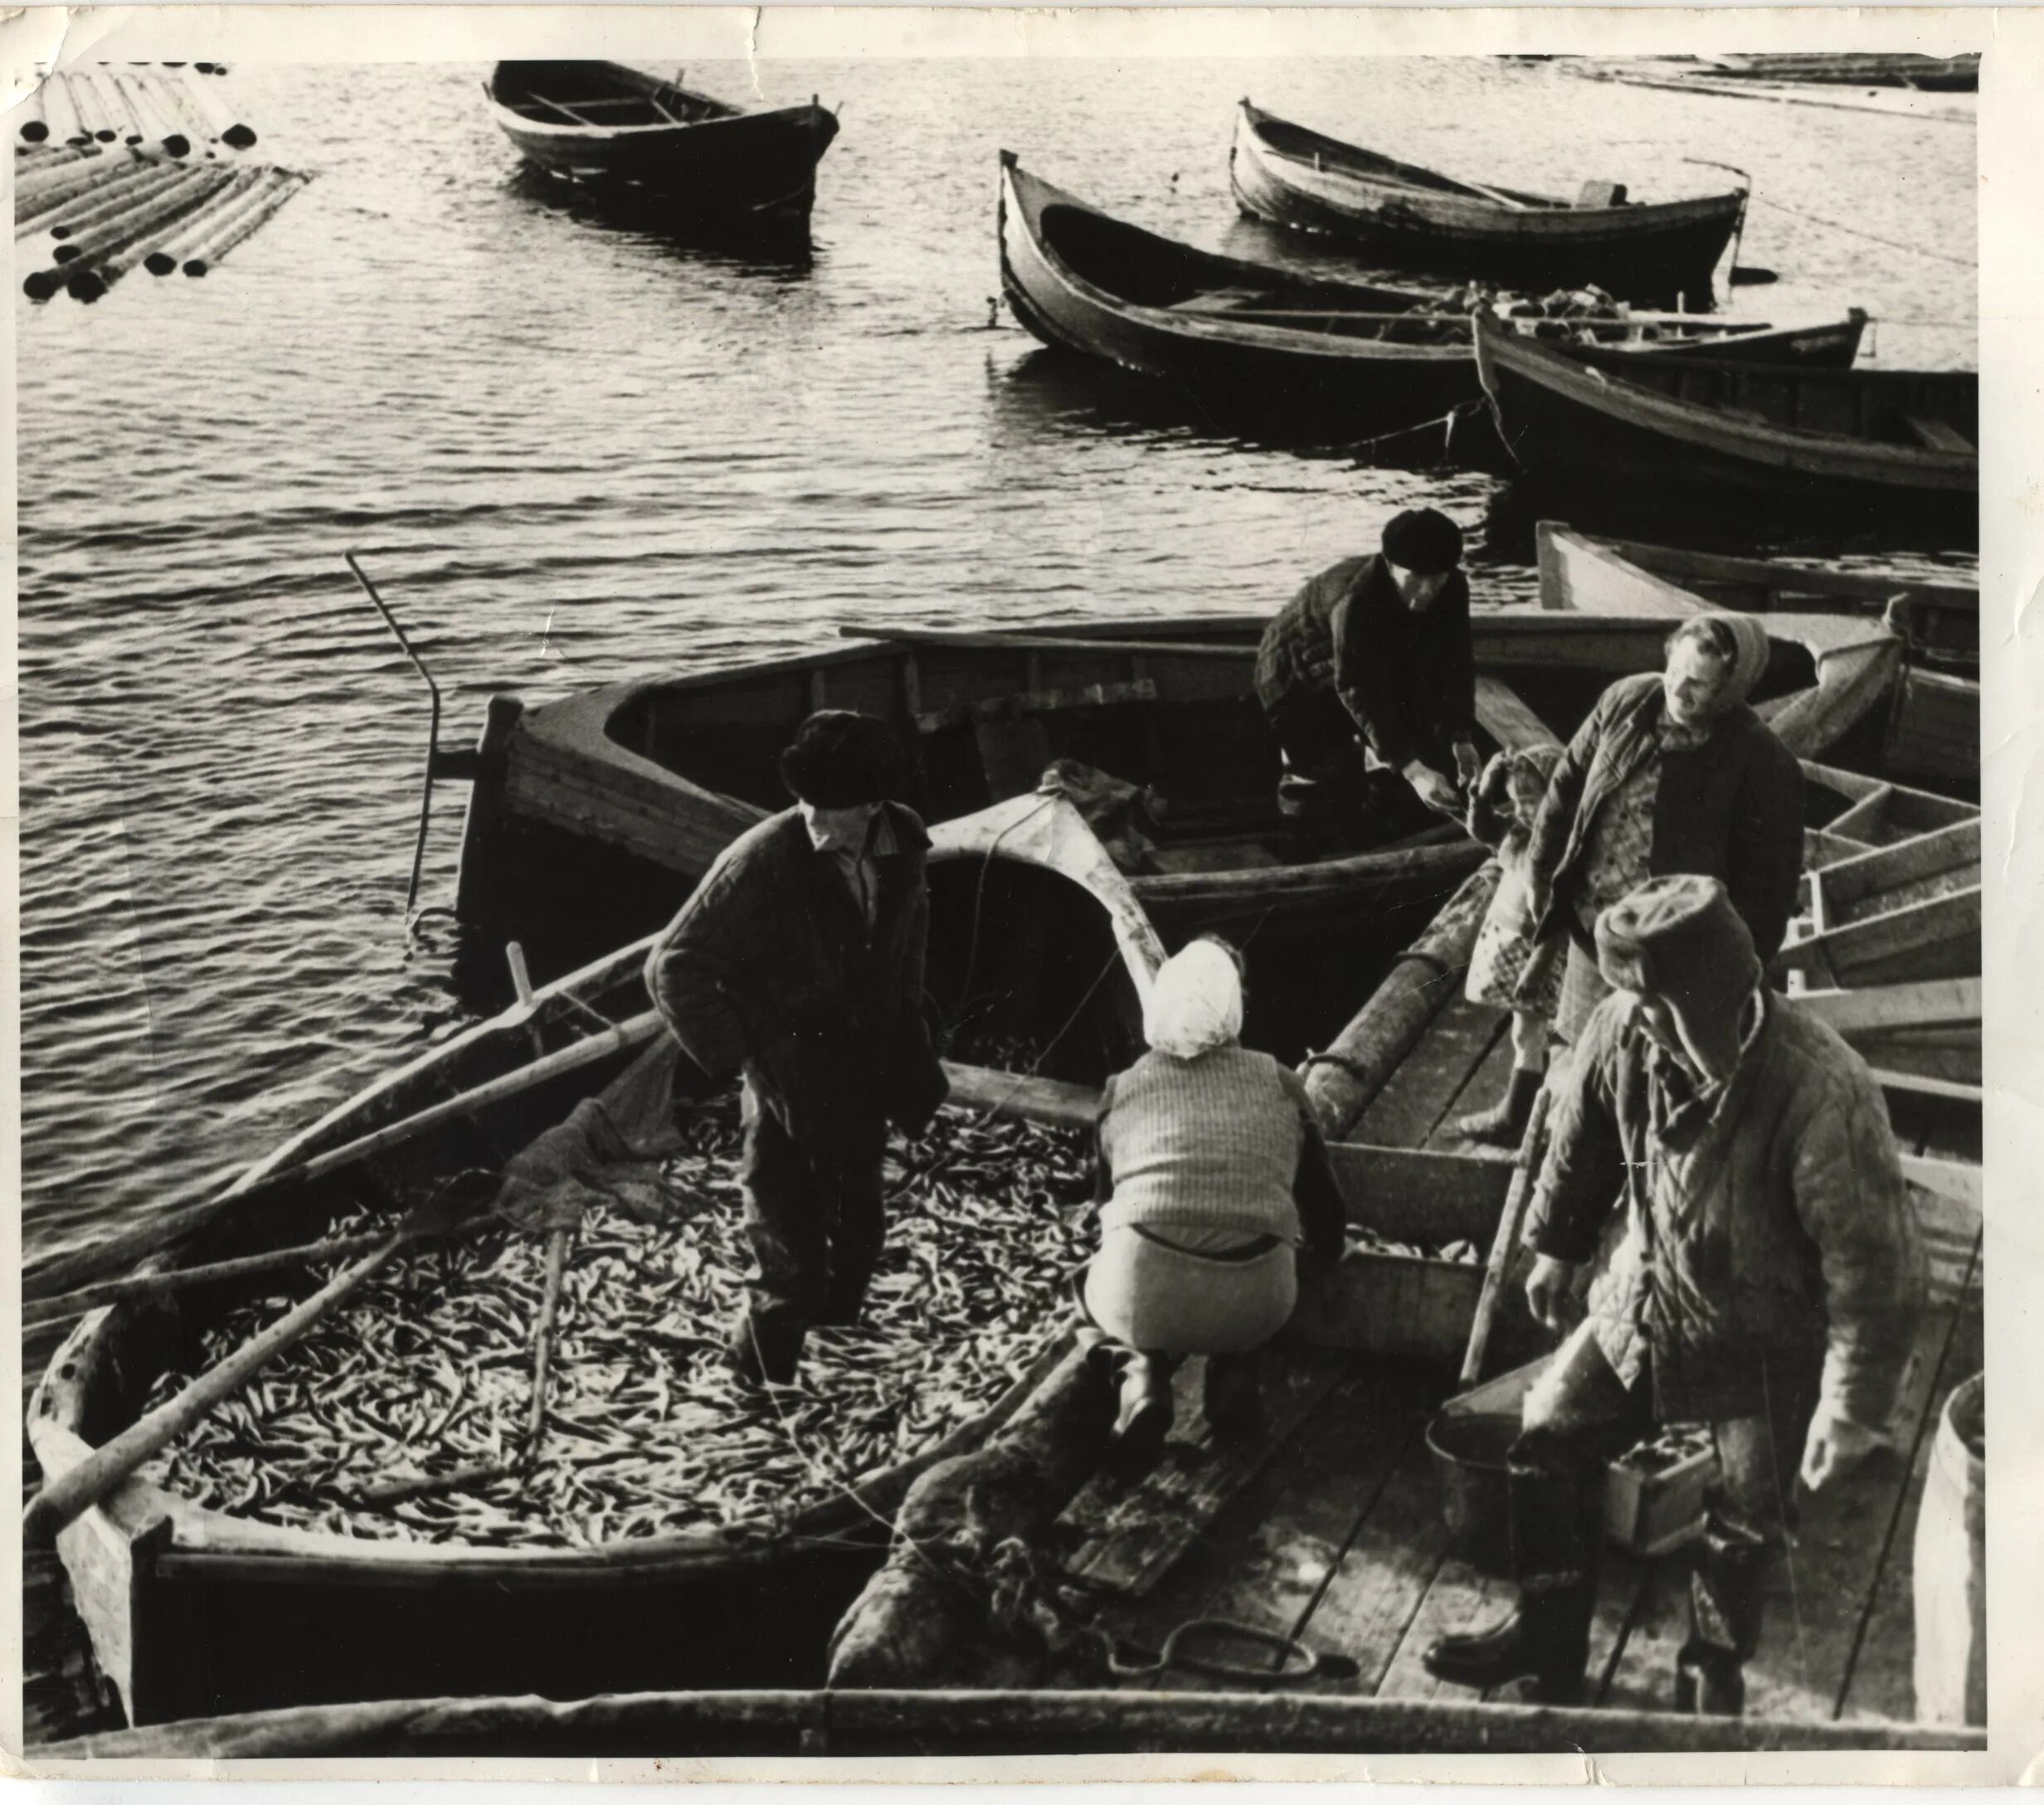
[1211, 1175]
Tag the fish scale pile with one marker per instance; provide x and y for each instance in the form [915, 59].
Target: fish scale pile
[647, 1433]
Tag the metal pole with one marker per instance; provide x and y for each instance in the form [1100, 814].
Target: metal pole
[432, 742]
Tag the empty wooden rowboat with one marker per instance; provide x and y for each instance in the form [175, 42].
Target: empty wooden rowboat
[608, 126]
[1399, 216]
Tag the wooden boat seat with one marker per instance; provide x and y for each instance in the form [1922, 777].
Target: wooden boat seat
[1938, 435]
[1601, 194]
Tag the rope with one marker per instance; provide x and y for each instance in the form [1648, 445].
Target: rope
[1893, 243]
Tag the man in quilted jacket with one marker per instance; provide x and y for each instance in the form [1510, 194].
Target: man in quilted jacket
[1768, 1283]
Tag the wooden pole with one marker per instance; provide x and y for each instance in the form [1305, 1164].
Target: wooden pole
[1387, 1026]
[224, 126]
[77, 218]
[1504, 1244]
[151, 1285]
[61, 109]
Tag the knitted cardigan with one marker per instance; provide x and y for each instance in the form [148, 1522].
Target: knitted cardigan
[1224, 1141]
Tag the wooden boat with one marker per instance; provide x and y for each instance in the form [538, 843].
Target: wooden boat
[1401, 216]
[1084, 281]
[194, 1611]
[612, 127]
[1876, 69]
[1864, 445]
[588, 818]
[1930, 729]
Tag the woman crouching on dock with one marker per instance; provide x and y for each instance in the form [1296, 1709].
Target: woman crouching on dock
[1211, 1175]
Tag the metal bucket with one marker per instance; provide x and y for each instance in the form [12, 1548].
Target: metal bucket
[1469, 1448]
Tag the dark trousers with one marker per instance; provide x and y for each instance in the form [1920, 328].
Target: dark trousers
[1325, 781]
[814, 1215]
[1579, 1414]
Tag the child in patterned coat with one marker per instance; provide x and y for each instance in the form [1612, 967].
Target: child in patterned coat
[1508, 968]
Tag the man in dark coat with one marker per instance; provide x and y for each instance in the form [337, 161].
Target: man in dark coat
[798, 961]
[1377, 646]
[1769, 1283]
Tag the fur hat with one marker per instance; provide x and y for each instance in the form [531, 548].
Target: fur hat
[1424, 540]
[838, 759]
[1679, 938]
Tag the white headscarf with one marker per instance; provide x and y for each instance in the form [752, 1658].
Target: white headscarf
[1195, 1002]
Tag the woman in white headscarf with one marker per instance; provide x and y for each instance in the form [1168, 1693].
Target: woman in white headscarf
[1212, 1175]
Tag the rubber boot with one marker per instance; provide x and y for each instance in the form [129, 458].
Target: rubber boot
[1233, 1399]
[1144, 1417]
[1545, 1640]
[1504, 1124]
[1726, 1602]
[764, 1353]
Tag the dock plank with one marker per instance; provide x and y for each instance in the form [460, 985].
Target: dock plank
[1428, 1080]
[1383, 1575]
[1127, 1537]
[1266, 1558]
[1459, 1598]
[1882, 1681]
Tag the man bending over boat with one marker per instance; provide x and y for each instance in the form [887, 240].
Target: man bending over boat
[1377, 646]
[799, 961]
[1769, 1284]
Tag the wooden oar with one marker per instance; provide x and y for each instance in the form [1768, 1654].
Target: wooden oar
[1506, 1243]
[74, 1492]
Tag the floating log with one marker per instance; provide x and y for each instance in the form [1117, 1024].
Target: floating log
[126, 119]
[77, 218]
[1341, 1081]
[94, 115]
[35, 126]
[165, 253]
[38, 193]
[62, 113]
[224, 126]
[51, 159]
[924, 1618]
[101, 260]
[155, 121]
[73, 258]
[258, 215]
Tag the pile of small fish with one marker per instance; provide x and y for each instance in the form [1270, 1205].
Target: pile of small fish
[1679, 1444]
[646, 1432]
[1455, 1252]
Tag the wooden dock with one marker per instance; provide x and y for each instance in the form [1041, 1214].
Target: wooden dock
[1335, 1535]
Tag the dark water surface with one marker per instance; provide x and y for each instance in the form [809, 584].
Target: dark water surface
[570, 453]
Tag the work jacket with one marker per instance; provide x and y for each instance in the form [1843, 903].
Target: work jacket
[1729, 809]
[770, 968]
[1769, 1238]
[1407, 679]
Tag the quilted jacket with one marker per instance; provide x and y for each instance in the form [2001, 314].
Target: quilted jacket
[770, 968]
[1769, 1232]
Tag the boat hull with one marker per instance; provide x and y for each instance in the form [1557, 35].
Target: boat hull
[1662, 253]
[1576, 426]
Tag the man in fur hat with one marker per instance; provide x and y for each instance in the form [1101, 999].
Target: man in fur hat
[1769, 1284]
[798, 961]
[1379, 647]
